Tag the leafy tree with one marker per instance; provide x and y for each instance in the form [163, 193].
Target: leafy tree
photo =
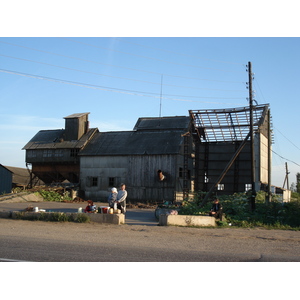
[293, 187]
[298, 182]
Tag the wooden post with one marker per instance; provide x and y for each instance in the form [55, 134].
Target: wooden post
[269, 195]
[253, 194]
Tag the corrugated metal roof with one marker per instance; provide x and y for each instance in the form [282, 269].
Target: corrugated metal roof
[164, 123]
[47, 139]
[134, 143]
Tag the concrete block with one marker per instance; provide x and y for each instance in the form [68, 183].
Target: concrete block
[108, 218]
[186, 220]
[99, 218]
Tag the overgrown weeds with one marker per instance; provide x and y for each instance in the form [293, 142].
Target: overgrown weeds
[272, 215]
[54, 196]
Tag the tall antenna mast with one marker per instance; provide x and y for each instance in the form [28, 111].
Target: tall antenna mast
[161, 84]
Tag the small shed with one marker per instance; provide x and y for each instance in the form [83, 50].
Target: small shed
[5, 180]
[154, 161]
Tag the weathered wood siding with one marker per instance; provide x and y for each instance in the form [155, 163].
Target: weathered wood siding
[138, 172]
[54, 155]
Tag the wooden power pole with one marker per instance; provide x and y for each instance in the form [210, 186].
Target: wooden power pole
[253, 194]
[286, 179]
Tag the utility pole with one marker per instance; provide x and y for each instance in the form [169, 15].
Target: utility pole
[253, 194]
[269, 193]
[286, 179]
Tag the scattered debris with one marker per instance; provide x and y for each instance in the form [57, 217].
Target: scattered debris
[140, 205]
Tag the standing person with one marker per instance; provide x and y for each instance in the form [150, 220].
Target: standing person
[121, 198]
[216, 209]
[112, 198]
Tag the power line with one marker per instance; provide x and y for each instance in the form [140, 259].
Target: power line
[287, 138]
[110, 89]
[116, 66]
[117, 77]
[285, 158]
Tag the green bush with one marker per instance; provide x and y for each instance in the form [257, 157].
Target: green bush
[53, 217]
[54, 196]
[81, 218]
[58, 217]
[237, 209]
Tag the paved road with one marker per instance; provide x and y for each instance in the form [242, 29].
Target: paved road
[133, 216]
[139, 240]
[47, 241]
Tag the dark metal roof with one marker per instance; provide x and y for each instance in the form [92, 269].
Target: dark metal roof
[20, 175]
[134, 143]
[47, 139]
[6, 168]
[219, 125]
[164, 123]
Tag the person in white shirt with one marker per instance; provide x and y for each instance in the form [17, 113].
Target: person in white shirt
[121, 198]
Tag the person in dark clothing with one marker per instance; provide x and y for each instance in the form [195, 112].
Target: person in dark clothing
[112, 198]
[216, 209]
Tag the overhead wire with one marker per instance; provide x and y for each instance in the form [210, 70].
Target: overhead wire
[285, 158]
[166, 96]
[116, 66]
[286, 138]
[111, 89]
[117, 77]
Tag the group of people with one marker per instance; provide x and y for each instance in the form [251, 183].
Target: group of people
[116, 197]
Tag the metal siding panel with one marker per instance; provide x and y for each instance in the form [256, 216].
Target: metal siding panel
[5, 180]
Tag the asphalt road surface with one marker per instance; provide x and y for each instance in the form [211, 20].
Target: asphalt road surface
[38, 241]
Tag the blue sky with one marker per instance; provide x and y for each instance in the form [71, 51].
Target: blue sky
[47, 75]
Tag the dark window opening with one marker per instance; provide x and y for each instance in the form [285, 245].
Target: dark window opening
[180, 172]
[94, 181]
[111, 181]
[74, 152]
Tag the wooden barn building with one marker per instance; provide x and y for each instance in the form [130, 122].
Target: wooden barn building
[53, 154]
[154, 161]
[162, 158]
